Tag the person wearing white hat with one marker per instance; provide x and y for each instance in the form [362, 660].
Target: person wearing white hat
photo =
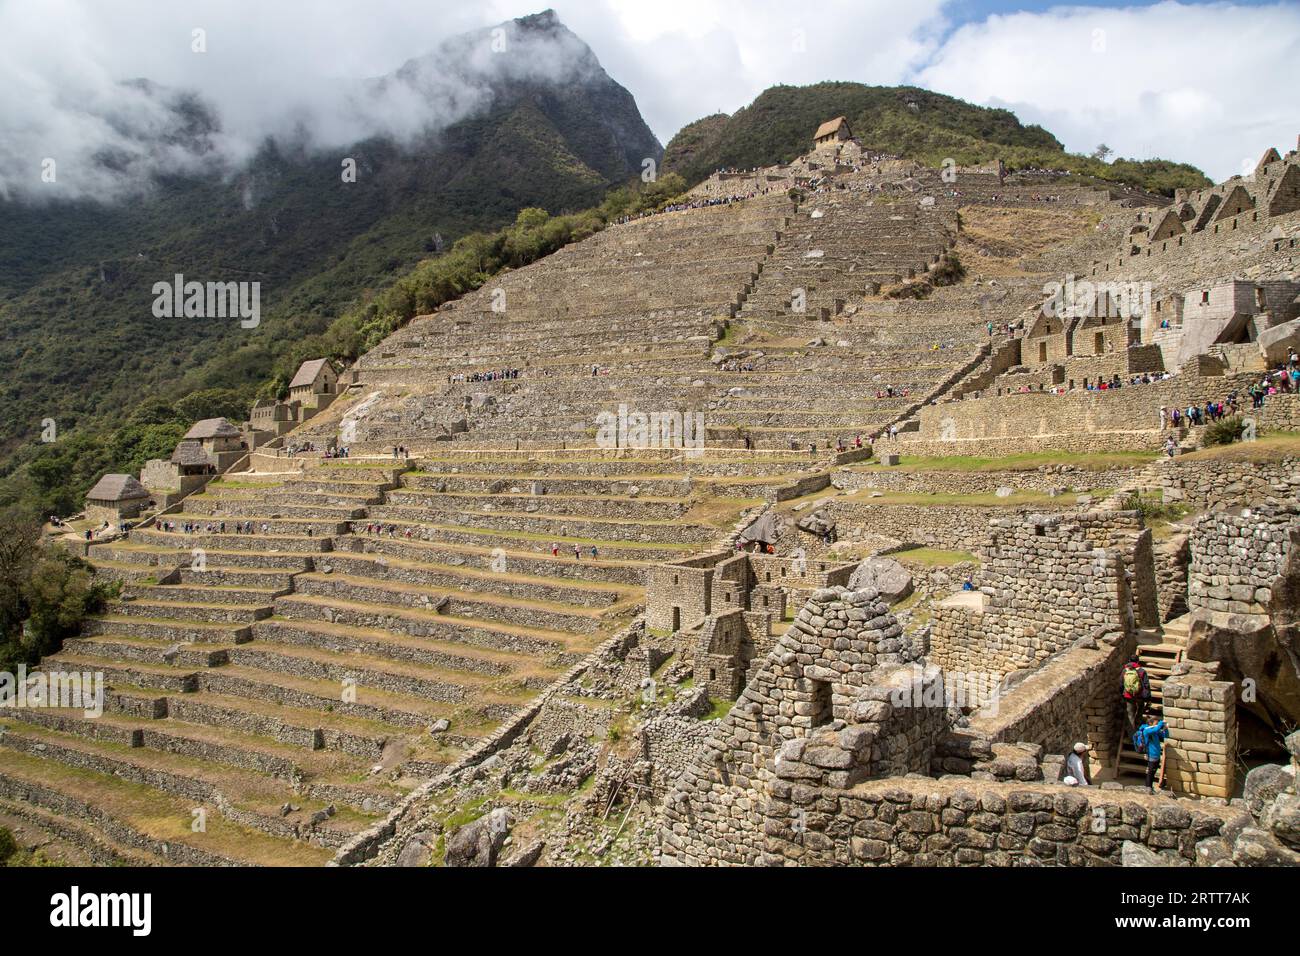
[1076, 766]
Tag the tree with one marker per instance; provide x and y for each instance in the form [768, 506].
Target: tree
[1102, 152]
[45, 593]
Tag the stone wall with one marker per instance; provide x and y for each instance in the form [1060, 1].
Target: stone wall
[817, 711]
[1201, 714]
[923, 822]
[1203, 484]
[1237, 558]
[1070, 699]
[1046, 579]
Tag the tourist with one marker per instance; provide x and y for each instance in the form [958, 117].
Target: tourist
[1076, 765]
[1137, 689]
[577, 553]
[555, 550]
[1171, 446]
[1151, 739]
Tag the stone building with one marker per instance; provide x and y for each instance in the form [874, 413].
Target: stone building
[221, 441]
[727, 645]
[681, 594]
[116, 498]
[187, 471]
[315, 384]
[832, 133]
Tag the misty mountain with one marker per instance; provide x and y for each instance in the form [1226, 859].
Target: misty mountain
[488, 123]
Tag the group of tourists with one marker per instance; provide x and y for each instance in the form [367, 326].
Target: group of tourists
[376, 529]
[215, 527]
[344, 452]
[577, 552]
[495, 375]
[401, 452]
[693, 204]
[1194, 415]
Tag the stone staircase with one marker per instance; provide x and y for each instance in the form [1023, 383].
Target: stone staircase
[1158, 651]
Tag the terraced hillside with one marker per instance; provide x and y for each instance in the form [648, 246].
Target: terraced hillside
[306, 641]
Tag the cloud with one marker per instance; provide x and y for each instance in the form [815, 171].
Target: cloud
[1208, 84]
[218, 79]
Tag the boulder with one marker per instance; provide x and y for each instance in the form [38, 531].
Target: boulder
[1259, 646]
[478, 842]
[1263, 785]
[887, 577]
[418, 850]
[1135, 854]
[1278, 342]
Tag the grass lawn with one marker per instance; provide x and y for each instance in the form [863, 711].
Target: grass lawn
[932, 557]
[1023, 461]
[1268, 447]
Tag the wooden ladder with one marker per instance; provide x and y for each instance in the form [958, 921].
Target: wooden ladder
[1158, 659]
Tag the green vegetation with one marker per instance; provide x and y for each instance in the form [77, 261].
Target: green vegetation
[1224, 432]
[1152, 508]
[718, 709]
[338, 265]
[53, 478]
[932, 557]
[906, 121]
[45, 594]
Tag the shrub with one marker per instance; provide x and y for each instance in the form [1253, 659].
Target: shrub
[8, 845]
[1224, 432]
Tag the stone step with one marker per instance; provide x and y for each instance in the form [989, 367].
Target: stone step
[167, 630]
[207, 591]
[478, 552]
[144, 818]
[328, 697]
[481, 580]
[388, 646]
[488, 539]
[640, 508]
[140, 650]
[433, 683]
[559, 527]
[242, 797]
[458, 604]
[157, 610]
[169, 556]
[208, 543]
[421, 623]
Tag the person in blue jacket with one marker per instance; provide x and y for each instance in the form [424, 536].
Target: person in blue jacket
[1153, 736]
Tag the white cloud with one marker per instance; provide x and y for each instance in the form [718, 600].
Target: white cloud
[1207, 84]
[1210, 85]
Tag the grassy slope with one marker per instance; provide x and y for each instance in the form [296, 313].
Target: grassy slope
[906, 121]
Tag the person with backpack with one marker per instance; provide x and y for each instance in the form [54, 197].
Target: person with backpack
[1151, 739]
[1137, 688]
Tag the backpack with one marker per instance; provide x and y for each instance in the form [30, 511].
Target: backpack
[1140, 739]
[1132, 681]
